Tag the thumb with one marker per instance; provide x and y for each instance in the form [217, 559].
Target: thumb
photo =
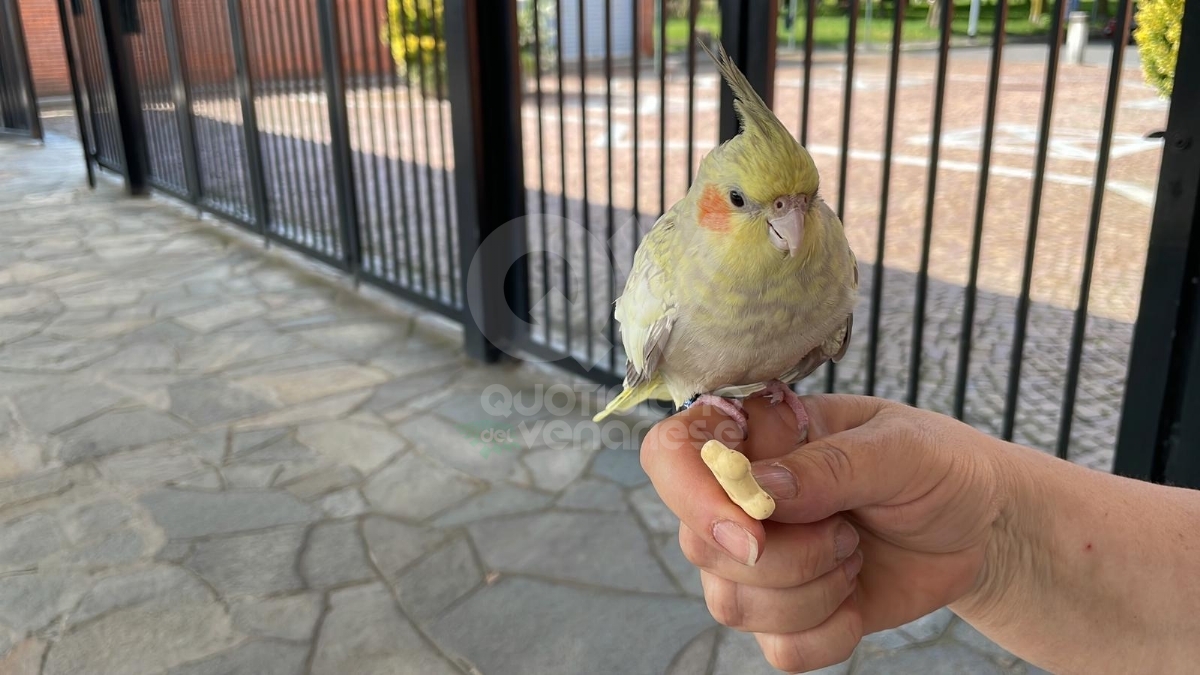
[860, 467]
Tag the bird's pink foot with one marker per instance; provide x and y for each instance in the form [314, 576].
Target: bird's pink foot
[776, 392]
[730, 406]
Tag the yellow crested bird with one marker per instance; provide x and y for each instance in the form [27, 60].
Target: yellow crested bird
[744, 286]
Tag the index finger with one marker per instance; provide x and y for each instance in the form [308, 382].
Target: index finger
[773, 429]
[671, 458]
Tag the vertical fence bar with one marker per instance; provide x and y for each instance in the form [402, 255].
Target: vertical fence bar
[693, 9]
[299, 128]
[414, 172]
[963, 367]
[1039, 174]
[96, 72]
[434, 241]
[810, 17]
[733, 38]
[384, 228]
[636, 68]
[439, 87]
[562, 158]
[1159, 437]
[372, 244]
[219, 167]
[485, 95]
[328, 22]
[590, 346]
[610, 220]
[749, 35]
[889, 136]
[128, 106]
[329, 237]
[844, 154]
[181, 94]
[662, 107]
[245, 93]
[77, 93]
[287, 207]
[935, 144]
[12, 111]
[379, 243]
[1079, 327]
[541, 146]
[1181, 466]
[24, 73]
[401, 176]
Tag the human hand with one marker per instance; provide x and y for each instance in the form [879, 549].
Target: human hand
[885, 515]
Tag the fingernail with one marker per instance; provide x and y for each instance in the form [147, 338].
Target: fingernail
[845, 540]
[737, 541]
[776, 480]
[854, 565]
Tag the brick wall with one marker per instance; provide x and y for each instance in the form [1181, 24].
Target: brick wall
[206, 36]
[44, 37]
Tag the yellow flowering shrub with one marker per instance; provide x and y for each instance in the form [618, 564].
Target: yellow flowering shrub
[414, 35]
[1159, 26]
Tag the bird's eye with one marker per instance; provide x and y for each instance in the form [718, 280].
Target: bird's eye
[736, 199]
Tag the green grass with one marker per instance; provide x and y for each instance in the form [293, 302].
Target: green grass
[832, 25]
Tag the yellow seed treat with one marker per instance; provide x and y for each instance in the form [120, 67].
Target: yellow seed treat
[732, 470]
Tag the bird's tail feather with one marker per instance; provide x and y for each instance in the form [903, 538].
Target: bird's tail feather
[629, 399]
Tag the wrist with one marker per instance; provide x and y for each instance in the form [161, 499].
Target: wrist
[1015, 562]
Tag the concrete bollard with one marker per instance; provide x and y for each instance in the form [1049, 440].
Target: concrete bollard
[1077, 37]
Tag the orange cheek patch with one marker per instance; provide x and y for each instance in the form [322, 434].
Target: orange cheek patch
[714, 210]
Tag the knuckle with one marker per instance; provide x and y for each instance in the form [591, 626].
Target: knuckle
[783, 652]
[693, 547]
[853, 634]
[812, 561]
[836, 461]
[723, 604]
[834, 589]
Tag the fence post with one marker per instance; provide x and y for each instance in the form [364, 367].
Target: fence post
[64, 20]
[16, 31]
[181, 93]
[1160, 428]
[339, 132]
[748, 31]
[485, 94]
[118, 18]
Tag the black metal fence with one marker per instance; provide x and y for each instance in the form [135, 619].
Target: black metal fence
[18, 102]
[393, 138]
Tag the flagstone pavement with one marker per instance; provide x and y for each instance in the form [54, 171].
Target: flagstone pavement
[217, 459]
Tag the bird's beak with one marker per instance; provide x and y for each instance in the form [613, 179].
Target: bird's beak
[787, 223]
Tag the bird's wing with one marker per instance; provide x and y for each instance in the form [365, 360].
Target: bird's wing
[834, 347]
[842, 337]
[646, 310]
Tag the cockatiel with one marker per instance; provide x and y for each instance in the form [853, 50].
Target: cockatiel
[746, 285]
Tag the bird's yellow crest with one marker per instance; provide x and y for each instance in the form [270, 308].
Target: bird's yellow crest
[764, 158]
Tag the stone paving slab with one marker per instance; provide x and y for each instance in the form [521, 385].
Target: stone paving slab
[214, 460]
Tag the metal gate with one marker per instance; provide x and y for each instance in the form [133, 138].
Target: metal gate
[498, 162]
[18, 101]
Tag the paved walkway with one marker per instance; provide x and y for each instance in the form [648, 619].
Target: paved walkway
[216, 460]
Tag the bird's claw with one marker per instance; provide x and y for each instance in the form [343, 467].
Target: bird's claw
[732, 408]
[776, 392]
